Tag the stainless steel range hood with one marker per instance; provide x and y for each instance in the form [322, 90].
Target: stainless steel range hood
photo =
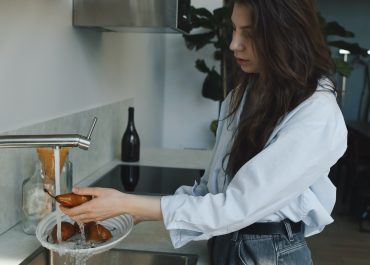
[162, 16]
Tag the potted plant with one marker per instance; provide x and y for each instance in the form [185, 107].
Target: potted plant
[215, 32]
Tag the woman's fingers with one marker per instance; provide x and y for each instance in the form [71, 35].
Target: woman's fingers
[101, 207]
[72, 212]
[86, 217]
[78, 210]
[96, 192]
[78, 214]
[83, 218]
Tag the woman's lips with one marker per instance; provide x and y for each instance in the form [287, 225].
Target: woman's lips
[242, 61]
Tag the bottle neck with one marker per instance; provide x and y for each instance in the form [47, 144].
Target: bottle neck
[131, 115]
[130, 123]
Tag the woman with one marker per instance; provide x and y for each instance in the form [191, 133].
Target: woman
[267, 185]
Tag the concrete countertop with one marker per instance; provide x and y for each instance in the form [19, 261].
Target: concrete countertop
[153, 236]
[15, 245]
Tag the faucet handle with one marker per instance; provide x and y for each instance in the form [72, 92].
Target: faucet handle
[92, 128]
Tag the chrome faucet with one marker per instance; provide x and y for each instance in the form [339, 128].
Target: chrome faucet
[50, 140]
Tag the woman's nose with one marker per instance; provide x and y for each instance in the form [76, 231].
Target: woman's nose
[236, 44]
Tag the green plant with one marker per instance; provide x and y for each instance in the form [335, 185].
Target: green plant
[215, 25]
[334, 29]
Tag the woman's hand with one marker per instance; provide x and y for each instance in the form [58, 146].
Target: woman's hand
[108, 203]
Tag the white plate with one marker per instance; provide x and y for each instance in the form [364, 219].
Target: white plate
[119, 226]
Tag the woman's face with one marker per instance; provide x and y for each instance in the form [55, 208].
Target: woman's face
[242, 42]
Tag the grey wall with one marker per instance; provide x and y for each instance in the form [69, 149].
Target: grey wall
[49, 69]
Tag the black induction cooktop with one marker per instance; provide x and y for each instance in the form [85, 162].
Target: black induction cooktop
[148, 179]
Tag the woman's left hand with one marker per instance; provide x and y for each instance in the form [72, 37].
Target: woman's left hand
[106, 203]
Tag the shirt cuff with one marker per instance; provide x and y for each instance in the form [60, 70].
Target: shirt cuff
[179, 237]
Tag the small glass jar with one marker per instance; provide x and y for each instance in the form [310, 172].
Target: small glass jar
[36, 204]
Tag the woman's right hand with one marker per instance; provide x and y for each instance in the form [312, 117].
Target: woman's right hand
[108, 203]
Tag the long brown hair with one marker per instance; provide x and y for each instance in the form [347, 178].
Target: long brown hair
[293, 56]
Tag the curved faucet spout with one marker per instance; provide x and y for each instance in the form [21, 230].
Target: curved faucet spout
[49, 140]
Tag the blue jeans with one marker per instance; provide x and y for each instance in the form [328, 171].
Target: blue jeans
[246, 249]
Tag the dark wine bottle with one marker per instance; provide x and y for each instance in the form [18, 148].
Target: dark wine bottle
[130, 145]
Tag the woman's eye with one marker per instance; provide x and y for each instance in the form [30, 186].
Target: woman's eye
[247, 34]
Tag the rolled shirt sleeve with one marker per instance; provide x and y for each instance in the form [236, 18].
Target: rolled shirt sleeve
[307, 143]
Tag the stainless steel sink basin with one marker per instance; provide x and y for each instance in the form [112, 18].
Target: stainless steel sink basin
[43, 256]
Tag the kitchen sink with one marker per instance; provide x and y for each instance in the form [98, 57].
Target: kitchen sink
[43, 256]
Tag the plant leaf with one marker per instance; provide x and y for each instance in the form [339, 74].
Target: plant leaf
[202, 66]
[334, 29]
[201, 12]
[217, 55]
[201, 18]
[343, 68]
[213, 126]
[220, 15]
[212, 86]
[354, 48]
[198, 41]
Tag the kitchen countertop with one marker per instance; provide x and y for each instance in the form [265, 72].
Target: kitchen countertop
[153, 236]
[15, 245]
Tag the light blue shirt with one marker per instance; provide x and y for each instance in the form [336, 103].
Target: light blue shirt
[287, 179]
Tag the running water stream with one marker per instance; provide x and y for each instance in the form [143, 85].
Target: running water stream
[57, 190]
[78, 259]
